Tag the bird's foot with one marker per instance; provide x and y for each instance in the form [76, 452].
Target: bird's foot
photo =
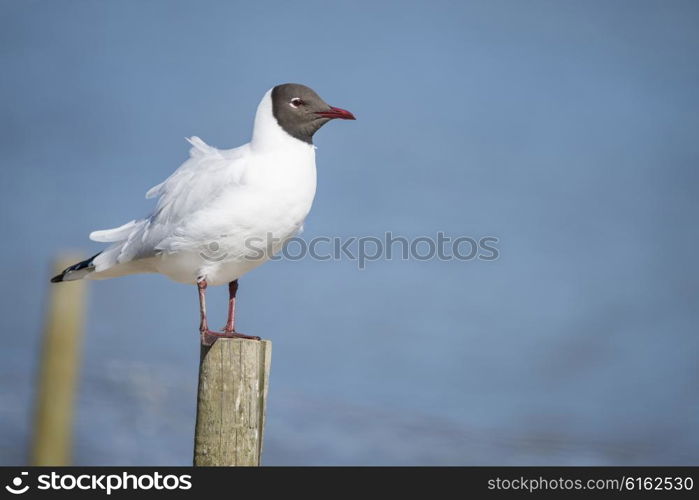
[208, 337]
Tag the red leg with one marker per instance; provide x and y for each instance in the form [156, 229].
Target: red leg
[232, 290]
[207, 336]
[201, 285]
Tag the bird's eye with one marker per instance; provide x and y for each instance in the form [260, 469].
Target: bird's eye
[296, 102]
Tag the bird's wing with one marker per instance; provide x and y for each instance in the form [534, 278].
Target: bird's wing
[198, 181]
[191, 188]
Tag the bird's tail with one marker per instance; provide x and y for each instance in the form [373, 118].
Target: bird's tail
[76, 271]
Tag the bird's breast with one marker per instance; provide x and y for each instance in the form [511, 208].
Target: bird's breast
[276, 197]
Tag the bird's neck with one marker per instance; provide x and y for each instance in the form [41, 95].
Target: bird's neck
[268, 136]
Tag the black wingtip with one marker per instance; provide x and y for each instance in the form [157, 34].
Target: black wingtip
[75, 267]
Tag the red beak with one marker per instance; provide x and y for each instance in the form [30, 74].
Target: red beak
[336, 113]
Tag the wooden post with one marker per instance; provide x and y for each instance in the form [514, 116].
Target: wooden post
[231, 404]
[60, 359]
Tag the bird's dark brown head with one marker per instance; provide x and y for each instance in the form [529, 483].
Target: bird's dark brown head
[300, 112]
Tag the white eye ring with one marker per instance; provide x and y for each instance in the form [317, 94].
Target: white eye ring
[296, 102]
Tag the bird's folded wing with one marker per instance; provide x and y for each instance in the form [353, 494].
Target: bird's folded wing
[199, 150]
[198, 181]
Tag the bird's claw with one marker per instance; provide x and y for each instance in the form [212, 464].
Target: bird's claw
[208, 337]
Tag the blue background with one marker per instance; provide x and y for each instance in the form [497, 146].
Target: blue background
[566, 129]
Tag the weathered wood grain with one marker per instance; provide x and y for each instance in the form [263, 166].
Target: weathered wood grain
[231, 402]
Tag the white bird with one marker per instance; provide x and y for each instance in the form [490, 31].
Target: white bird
[224, 212]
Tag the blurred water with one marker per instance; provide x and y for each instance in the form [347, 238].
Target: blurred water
[567, 130]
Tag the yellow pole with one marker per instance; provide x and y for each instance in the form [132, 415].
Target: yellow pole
[60, 359]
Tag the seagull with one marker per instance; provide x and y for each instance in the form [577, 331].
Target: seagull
[224, 212]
